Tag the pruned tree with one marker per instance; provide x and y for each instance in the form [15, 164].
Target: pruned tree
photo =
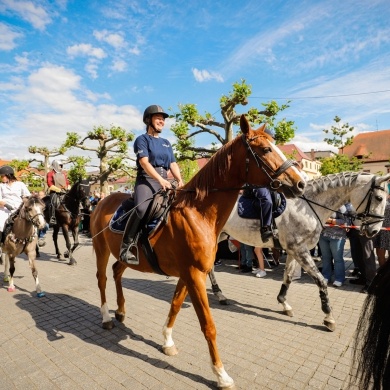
[339, 131]
[190, 123]
[111, 150]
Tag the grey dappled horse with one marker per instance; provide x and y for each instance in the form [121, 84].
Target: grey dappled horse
[300, 225]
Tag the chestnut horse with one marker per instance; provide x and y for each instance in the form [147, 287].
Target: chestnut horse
[23, 237]
[186, 245]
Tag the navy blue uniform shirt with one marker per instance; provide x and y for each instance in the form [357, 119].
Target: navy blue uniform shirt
[158, 150]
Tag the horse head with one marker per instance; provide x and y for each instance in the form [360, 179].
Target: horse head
[33, 208]
[262, 153]
[371, 208]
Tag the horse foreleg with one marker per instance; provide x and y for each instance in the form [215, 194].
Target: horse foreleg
[56, 229]
[310, 267]
[5, 260]
[180, 294]
[196, 286]
[118, 269]
[75, 235]
[11, 262]
[31, 261]
[102, 256]
[216, 290]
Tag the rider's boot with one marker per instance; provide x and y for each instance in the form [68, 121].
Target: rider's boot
[266, 233]
[52, 213]
[129, 240]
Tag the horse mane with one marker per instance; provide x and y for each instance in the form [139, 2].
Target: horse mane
[335, 180]
[371, 349]
[201, 184]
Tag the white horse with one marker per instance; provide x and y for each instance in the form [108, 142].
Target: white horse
[23, 237]
[301, 223]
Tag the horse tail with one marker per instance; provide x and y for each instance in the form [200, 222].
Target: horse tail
[371, 360]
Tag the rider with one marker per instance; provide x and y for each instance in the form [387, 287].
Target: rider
[57, 183]
[154, 159]
[12, 193]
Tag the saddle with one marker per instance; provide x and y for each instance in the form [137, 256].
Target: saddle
[156, 214]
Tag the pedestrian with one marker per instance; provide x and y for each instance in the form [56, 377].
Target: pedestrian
[42, 232]
[332, 242]
[260, 271]
[382, 239]
[246, 258]
[154, 159]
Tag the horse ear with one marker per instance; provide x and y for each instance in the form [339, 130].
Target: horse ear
[244, 124]
[381, 179]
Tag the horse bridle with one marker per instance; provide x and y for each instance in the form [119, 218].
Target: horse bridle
[30, 218]
[262, 164]
[366, 214]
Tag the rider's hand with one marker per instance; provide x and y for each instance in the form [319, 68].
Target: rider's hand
[165, 184]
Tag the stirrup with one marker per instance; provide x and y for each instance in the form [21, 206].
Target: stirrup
[134, 260]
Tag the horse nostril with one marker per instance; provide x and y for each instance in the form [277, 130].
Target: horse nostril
[301, 185]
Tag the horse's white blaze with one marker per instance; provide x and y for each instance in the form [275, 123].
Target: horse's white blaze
[167, 333]
[224, 380]
[105, 313]
[284, 158]
[40, 219]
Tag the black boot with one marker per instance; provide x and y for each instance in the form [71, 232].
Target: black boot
[129, 240]
[266, 233]
[52, 213]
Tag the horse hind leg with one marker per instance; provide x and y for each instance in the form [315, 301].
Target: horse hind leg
[180, 294]
[11, 267]
[216, 290]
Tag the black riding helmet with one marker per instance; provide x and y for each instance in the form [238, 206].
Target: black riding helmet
[6, 170]
[152, 110]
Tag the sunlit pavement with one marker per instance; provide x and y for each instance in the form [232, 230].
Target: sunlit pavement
[57, 342]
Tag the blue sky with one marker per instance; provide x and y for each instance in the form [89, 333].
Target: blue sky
[71, 65]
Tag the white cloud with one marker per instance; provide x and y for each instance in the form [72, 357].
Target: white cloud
[8, 37]
[114, 39]
[119, 65]
[85, 49]
[205, 75]
[28, 11]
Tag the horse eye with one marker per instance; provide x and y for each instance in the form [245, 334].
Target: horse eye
[379, 198]
[267, 150]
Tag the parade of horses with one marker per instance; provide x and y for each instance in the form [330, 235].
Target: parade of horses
[182, 231]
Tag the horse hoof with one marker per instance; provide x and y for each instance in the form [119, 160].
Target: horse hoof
[108, 325]
[11, 289]
[6, 279]
[66, 255]
[120, 317]
[72, 262]
[60, 258]
[170, 351]
[41, 294]
[331, 326]
[289, 313]
[231, 387]
[223, 302]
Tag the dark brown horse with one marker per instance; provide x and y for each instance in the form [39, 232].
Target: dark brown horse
[186, 245]
[23, 238]
[68, 216]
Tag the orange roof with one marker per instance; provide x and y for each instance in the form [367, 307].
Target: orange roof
[376, 144]
[290, 148]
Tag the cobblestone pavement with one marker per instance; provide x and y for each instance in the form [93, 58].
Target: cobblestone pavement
[57, 342]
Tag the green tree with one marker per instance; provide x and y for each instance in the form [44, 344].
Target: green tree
[340, 163]
[339, 131]
[111, 150]
[190, 123]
